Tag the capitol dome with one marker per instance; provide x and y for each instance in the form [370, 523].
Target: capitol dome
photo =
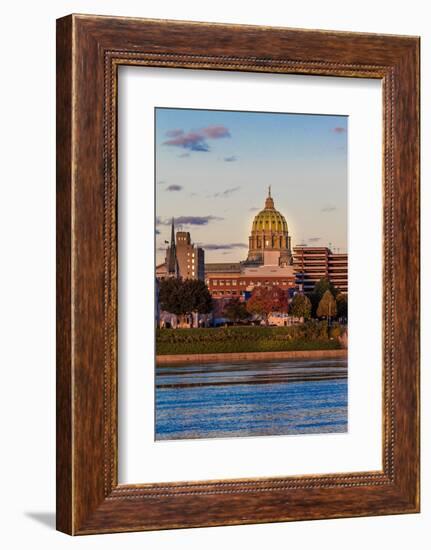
[269, 236]
[269, 218]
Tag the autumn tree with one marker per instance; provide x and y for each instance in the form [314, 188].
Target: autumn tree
[327, 306]
[235, 310]
[300, 306]
[264, 301]
[319, 290]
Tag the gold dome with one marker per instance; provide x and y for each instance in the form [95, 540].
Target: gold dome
[269, 237]
[269, 219]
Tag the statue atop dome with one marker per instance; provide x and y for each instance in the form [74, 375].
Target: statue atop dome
[269, 242]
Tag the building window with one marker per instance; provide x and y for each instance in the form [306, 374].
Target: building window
[234, 283]
[215, 282]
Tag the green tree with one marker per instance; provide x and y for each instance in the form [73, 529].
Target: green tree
[170, 296]
[342, 305]
[183, 297]
[235, 310]
[322, 286]
[300, 306]
[266, 300]
[327, 306]
[197, 297]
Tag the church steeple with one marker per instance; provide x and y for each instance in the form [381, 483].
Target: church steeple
[171, 260]
[173, 232]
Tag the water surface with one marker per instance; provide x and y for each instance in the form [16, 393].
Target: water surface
[251, 398]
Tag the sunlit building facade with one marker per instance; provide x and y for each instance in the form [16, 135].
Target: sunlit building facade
[312, 263]
[183, 259]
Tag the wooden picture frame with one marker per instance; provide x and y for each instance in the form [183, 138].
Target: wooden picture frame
[89, 51]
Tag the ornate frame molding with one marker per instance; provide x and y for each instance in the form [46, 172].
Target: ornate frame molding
[90, 50]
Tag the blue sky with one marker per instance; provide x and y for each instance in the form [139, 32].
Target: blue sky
[213, 169]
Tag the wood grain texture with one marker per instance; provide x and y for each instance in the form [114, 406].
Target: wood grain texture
[64, 496]
[90, 49]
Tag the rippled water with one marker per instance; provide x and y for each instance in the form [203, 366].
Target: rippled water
[251, 398]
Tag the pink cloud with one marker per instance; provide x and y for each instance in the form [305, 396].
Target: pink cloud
[215, 132]
[193, 140]
[175, 133]
[196, 140]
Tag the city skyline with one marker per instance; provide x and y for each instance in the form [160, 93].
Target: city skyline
[213, 170]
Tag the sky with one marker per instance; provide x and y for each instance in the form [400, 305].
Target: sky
[213, 169]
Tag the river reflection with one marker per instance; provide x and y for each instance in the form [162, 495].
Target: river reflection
[251, 398]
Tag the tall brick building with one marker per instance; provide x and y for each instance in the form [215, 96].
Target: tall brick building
[183, 258]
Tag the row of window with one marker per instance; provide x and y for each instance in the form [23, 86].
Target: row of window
[276, 242]
[234, 282]
[242, 293]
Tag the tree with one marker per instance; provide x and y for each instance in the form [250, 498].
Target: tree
[197, 296]
[319, 290]
[322, 286]
[264, 301]
[327, 306]
[170, 298]
[342, 305]
[183, 297]
[235, 310]
[300, 306]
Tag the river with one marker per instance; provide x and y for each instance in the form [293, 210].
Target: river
[285, 397]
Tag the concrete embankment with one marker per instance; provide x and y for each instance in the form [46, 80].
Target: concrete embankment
[251, 356]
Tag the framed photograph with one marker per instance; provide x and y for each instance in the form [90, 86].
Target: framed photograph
[237, 274]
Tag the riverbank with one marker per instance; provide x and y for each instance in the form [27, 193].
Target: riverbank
[310, 336]
[250, 356]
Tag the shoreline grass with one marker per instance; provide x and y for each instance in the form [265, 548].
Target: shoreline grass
[308, 337]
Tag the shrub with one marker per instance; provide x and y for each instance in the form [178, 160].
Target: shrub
[335, 331]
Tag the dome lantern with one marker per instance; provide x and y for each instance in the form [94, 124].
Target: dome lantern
[269, 203]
